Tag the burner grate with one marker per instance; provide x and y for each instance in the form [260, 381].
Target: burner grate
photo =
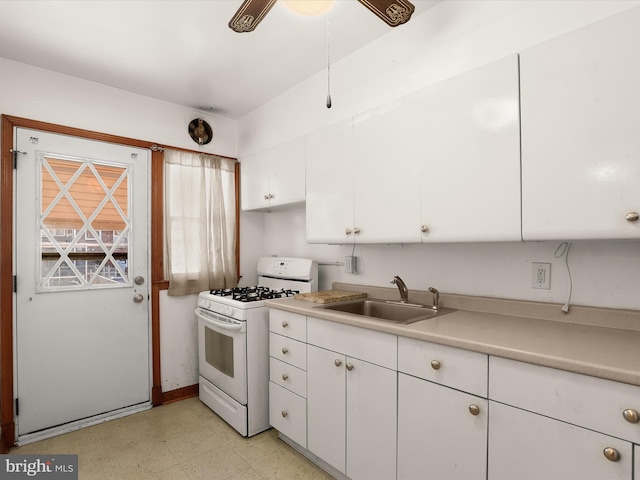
[253, 294]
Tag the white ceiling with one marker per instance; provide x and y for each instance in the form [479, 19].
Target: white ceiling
[183, 51]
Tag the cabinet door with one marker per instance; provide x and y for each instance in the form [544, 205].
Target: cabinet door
[329, 176]
[527, 446]
[371, 421]
[388, 144]
[287, 173]
[636, 473]
[581, 133]
[438, 436]
[470, 160]
[254, 181]
[326, 415]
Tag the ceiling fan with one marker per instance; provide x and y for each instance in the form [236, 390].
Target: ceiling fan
[251, 12]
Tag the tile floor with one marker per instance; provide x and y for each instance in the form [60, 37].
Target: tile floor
[180, 441]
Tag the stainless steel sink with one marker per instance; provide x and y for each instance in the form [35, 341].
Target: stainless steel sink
[389, 311]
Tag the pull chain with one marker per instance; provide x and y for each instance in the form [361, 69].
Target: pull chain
[328, 66]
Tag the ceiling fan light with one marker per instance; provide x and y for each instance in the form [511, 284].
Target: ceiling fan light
[309, 8]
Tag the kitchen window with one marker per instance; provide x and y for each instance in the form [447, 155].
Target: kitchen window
[200, 222]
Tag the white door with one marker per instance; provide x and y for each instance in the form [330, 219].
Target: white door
[82, 308]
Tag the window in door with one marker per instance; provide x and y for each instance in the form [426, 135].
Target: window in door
[84, 223]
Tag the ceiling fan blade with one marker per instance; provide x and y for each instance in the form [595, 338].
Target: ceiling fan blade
[392, 12]
[250, 14]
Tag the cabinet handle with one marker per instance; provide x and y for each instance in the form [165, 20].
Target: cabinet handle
[348, 231]
[435, 364]
[285, 376]
[338, 362]
[632, 216]
[285, 350]
[611, 454]
[631, 416]
[356, 231]
[266, 197]
[349, 366]
[284, 413]
[474, 410]
[285, 324]
[424, 228]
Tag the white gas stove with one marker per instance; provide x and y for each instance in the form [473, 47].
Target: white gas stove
[233, 341]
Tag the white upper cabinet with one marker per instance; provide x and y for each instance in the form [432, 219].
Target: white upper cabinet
[386, 181]
[330, 184]
[469, 156]
[274, 178]
[442, 164]
[581, 133]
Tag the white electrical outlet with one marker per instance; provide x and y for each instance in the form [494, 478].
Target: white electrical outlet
[351, 264]
[541, 275]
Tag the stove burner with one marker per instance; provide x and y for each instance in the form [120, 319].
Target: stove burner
[253, 294]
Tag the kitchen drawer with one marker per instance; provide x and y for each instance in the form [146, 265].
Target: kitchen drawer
[375, 347]
[288, 324]
[288, 350]
[594, 403]
[287, 376]
[450, 366]
[288, 413]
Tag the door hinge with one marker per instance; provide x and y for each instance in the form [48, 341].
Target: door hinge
[15, 284]
[17, 408]
[15, 156]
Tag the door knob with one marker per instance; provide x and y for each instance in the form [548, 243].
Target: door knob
[138, 298]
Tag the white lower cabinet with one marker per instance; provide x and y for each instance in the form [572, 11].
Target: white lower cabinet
[352, 414]
[554, 424]
[442, 432]
[527, 446]
[287, 375]
[352, 407]
[636, 455]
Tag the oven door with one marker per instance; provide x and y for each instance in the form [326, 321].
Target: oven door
[222, 353]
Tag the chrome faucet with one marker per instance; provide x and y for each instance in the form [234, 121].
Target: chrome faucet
[404, 293]
[436, 298]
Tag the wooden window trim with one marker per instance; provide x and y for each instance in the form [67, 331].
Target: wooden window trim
[158, 282]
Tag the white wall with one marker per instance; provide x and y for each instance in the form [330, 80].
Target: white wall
[448, 39]
[38, 94]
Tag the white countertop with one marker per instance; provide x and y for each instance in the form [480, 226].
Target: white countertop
[602, 351]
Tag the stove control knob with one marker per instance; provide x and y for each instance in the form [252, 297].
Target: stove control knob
[228, 311]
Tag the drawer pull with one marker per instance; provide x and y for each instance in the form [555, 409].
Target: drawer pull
[435, 364]
[285, 324]
[349, 366]
[285, 350]
[474, 410]
[631, 416]
[285, 376]
[284, 413]
[611, 454]
[337, 362]
[632, 217]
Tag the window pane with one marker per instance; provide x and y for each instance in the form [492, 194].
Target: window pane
[84, 223]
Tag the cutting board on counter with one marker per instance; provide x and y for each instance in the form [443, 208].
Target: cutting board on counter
[329, 296]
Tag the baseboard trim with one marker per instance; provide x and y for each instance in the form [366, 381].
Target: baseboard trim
[180, 394]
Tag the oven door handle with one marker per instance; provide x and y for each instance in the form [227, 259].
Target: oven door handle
[226, 326]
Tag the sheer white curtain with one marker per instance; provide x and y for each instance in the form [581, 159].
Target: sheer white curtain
[200, 222]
